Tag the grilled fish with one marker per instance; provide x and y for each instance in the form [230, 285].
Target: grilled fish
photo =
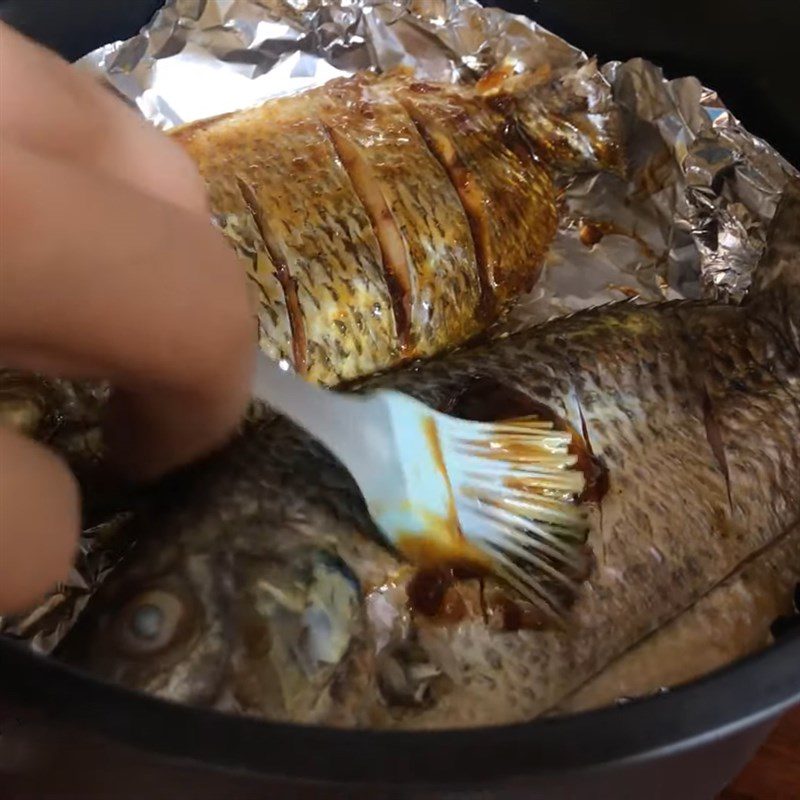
[259, 585]
[380, 217]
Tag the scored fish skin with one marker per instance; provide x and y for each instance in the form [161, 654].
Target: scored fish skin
[694, 410]
[320, 193]
[506, 192]
[730, 622]
[318, 239]
[240, 227]
[383, 218]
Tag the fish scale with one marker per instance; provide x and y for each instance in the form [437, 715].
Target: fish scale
[423, 204]
[381, 218]
[692, 409]
[332, 285]
[319, 230]
[766, 372]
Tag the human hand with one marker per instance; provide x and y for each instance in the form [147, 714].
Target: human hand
[109, 268]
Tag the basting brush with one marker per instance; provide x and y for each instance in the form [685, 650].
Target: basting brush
[499, 497]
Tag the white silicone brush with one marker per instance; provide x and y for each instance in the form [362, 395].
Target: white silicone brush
[498, 496]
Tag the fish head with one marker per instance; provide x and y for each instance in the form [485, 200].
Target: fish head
[158, 626]
[246, 607]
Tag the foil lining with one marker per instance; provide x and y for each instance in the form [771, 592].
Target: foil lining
[685, 218]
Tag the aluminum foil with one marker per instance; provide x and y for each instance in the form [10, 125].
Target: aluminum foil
[685, 218]
[688, 220]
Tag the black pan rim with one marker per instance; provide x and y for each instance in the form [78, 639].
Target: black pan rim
[739, 695]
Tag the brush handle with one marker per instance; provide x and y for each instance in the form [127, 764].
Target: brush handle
[346, 425]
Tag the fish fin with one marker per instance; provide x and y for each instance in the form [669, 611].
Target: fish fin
[775, 293]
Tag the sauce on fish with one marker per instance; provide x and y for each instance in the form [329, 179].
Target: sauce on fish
[507, 613]
[433, 591]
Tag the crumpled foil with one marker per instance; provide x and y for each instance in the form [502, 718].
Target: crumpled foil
[687, 220]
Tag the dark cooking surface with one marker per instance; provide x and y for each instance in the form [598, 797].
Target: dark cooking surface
[743, 694]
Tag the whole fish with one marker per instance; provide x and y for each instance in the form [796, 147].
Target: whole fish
[260, 585]
[381, 218]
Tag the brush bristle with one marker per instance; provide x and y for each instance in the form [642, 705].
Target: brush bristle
[516, 490]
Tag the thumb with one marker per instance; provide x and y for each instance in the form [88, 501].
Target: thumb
[39, 521]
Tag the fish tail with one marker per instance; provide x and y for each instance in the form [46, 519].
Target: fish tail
[566, 136]
[775, 292]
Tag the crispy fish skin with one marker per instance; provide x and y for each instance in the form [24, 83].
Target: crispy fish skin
[506, 191]
[240, 226]
[318, 239]
[692, 408]
[382, 218]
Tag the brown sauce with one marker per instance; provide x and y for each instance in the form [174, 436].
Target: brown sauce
[591, 233]
[508, 614]
[443, 596]
[427, 589]
[494, 78]
[594, 471]
[423, 88]
[433, 591]
[490, 401]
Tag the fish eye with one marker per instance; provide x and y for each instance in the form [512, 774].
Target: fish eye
[149, 622]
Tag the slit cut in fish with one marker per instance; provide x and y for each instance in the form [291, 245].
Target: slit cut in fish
[471, 197]
[377, 229]
[283, 275]
[387, 232]
[499, 183]
[416, 212]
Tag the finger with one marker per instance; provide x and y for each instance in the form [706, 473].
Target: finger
[39, 521]
[54, 108]
[151, 298]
